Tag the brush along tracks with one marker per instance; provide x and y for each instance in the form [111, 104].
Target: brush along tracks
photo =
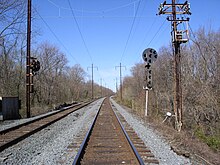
[107, 142]
[13, 135]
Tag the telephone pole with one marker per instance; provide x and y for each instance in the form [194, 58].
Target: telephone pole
[116, 84]
[178, 37]
[28, 62]
[120, 74]
[92, 80]
[101, 86]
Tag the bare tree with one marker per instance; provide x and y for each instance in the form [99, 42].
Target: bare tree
[12, 15]
[202, 84]
[53, 62]
[76, 76]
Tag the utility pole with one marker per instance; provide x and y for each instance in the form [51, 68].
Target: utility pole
[178, 37]
[116, 84]
[101, 86]
[92, 80]
[28, 62]
[105, 90]
[120, 74]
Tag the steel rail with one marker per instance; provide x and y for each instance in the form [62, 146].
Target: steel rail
[86, 139]
[128, 139]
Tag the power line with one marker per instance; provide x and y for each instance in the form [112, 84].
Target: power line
[95, 11]
[156, 33]
[100, 16]
[123, 6]
[129, 35]
[140, 16]
[55, 35]
[162, 32]
[80, 32]
[145, 36]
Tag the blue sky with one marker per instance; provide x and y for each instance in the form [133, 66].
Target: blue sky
[104, 34]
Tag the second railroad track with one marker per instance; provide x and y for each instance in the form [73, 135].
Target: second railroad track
[13, 135]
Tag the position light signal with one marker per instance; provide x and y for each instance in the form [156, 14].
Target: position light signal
[149, 80]
[149, 56]
[35, 65]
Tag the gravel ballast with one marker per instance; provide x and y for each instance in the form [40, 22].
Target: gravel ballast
[159, 147]
[49, 145]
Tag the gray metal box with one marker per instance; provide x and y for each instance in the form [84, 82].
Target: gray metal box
[10, 108]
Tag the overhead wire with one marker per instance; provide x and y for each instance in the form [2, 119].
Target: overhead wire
[145, 36]
[140, 16]
[95, 11]
[129, 35]
[123, 6]
[162, 32]
[153, 36]
[87, 49]
[156, 32]
[138, 22]
[54, 34]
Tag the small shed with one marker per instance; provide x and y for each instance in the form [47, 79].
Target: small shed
[9, 107]
[1, 117]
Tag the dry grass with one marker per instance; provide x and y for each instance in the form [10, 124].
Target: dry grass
[187, 145]
[35, 111]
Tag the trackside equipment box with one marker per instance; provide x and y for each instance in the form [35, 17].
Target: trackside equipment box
[9, 107]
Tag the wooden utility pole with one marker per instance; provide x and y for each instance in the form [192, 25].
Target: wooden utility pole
[101, 86]
[120, 74]
[92, 80]
[120, 83]
[28, 62]
[178, 37]
[116, 84]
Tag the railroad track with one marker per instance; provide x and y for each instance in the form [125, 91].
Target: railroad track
[107, 142]
[13, 135]
[145, 153]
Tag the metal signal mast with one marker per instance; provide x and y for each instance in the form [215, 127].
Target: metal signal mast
[28, 61]
[179, 36]
[32, 64]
